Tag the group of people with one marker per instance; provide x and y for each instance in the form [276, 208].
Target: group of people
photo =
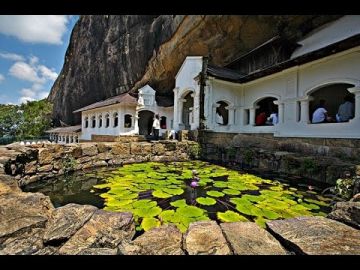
[345, 112]
[262, 119]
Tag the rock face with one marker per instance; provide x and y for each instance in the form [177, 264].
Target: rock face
[247, 238]
[103, 230]
[317, 236]
[165, 240]
[22, 212]
[109, 55]
[347, 212]
[205, 237]
[66, 221]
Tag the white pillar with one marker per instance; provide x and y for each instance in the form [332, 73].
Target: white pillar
[252, 116]
[304, 108]
[356, 91]
[231, 118]
[136, 122]
[280, 110]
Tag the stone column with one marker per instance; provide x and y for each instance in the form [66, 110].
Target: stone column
[231, 118]
[304, 108]
[136, 122]
[356, 91]
[252, 116]
[214, 107]
[280, 111]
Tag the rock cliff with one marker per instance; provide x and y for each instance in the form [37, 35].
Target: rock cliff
[109, 55]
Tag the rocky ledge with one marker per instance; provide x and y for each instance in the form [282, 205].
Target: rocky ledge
[29, 224]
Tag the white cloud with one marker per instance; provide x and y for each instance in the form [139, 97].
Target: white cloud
[43, 95]
[25, 99]
[33, 60]
[35, 28]
[47, 73]
[2, 77]
[26, 92]
[12, 56]
[24, 71]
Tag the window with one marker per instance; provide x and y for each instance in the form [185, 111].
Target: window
[246, 117]
[100, 121]
[222, 113]
[127, 121]
[107, 120]
[116, 119]
[86, 122]
[163, 122]
[93, 122]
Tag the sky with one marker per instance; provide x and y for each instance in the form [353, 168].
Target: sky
[32, 51]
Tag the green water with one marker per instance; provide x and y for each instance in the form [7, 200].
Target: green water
[160, 193]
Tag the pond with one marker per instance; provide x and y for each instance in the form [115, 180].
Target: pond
[184, 192]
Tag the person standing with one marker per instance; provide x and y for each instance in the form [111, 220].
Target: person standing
[156, 127]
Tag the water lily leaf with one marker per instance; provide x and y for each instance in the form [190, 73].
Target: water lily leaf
[231, 191]
[316, 202]
[179, 203]
[230, 216]
[214, 193]
[161, 194]
[167, 215]
[149, 223]
[270, 214]
[261, 222]
[206, 201]
[177, 191]
[245, 209]
[190, 211]
[144, 204]
[253, 198]
[310, 206]
[220, 184]
[148, 212]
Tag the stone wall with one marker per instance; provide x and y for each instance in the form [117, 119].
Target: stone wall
[110, 138]
[35, 162]
[323, 160]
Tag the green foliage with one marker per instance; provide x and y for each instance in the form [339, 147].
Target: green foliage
[230, 216]
[26, 121]
[231, 152]
[344, 187]
[248, 156]
[194, 151]
[309, 165]
[206, 201]
[68, 164]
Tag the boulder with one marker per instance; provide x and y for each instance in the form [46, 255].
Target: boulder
[316, 236]
[103, 230]
[21, 212]
[30, 168]
[89, 149]
[45, 156]
[205, 238]
[99, 251]
[164, 240]
[347, 212]
[247, 238]
[120, 149]
[8, 184]
[65, 221]
[26, 243]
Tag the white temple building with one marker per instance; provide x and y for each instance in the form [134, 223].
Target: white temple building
[283, 77]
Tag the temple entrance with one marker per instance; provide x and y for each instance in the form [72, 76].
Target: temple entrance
[145, 122]
[187, 112]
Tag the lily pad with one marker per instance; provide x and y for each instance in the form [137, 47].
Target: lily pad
[214, 193]
[149, 223]
[148, 212]
[144, 204]
[190, 211]
[206, 201]
[231, 191]
[230, 216]
[179, 203]
[161, 194]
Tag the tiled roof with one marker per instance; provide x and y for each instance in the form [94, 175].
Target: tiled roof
[70, 129]
[123, 98]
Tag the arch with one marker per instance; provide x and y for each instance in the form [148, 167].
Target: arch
[86, 122]
[186, 91]
[127, 121]
[222, 112]
[100, 120]
[145, 122]
[265, 96]
[266, 111]
[116, 119]
[107, 120]
[93, 121]
[328, 82]
[326, 100]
